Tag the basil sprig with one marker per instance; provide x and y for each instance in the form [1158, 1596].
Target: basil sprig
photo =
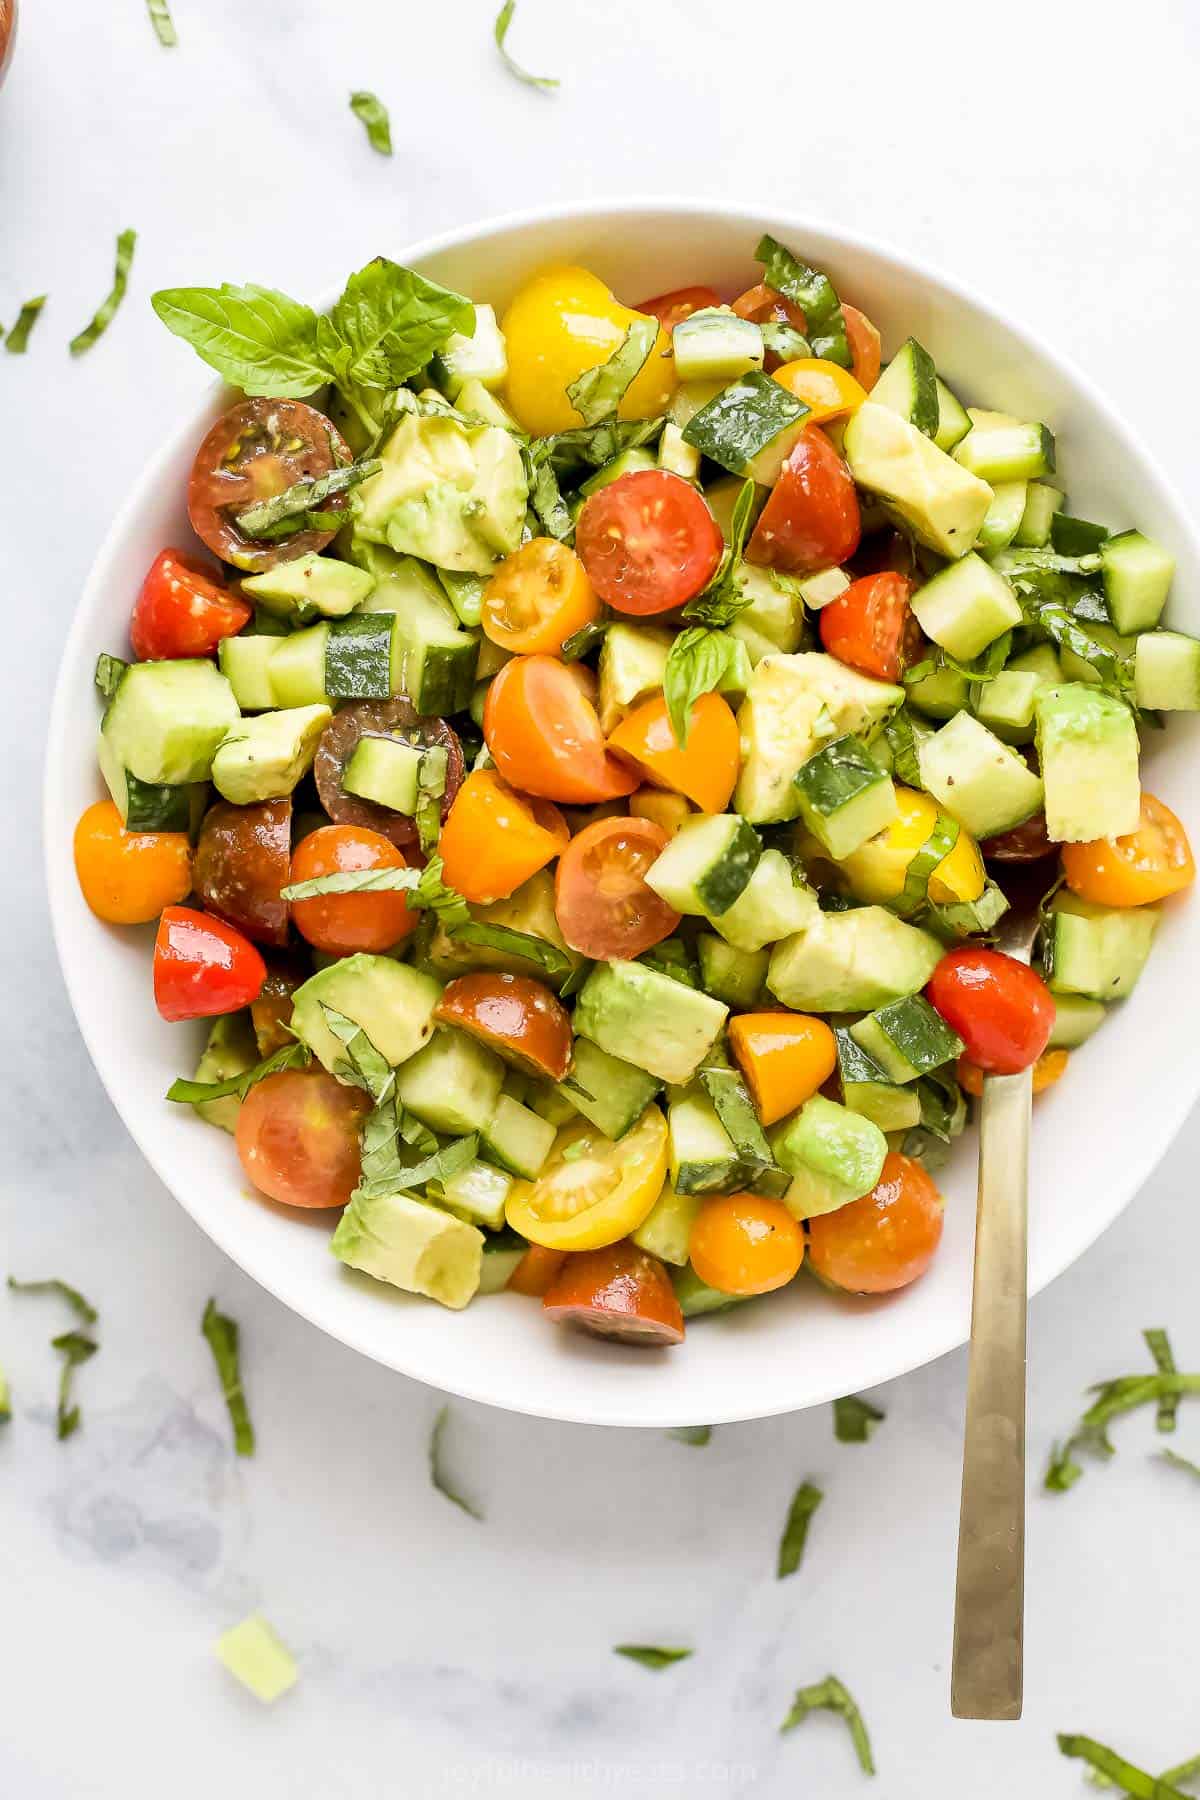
[102, 318]
[722, 600]
[813, 293]
[597, 393]
[698, 662]
[221, 1334]
[195, 1093]
[17, 341]
[437, 1472]
[1159, 1346]
[303, 497]
[500, 32]
[832, 1695]
[805, 1502]
[374, 114]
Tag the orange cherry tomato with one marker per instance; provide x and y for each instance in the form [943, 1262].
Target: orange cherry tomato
[886, 1239]
[785, 1057]
[544, 735]
[514, 1015]
[537, 598]
[619, 1292]
[1148, 864]
[871, 627]
[127, 877]
[705, 771]
[344, 923]
[766, 306]
[679, 304]
[828, 390]
[495, 838]
[297, 1137]
[605, 907]
[536, 1270]
[865, 346]
[741, 1244]
[1050, 1067]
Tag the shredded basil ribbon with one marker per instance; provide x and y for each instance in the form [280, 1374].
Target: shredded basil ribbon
[17, 341]
[653, 1656]
[303, 496]
[832, 1695]
[103, 317]
[597, 393]
[500, 33]
[935, 849]
[164, 27]
[374, 115]
[195, 1093]
[854, 1419]
[805, 1502]
[222, 1336]
[813, 293]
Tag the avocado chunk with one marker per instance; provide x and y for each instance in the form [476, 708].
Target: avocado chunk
[256, 1657]
[309, 585]
[648, 1019]
[773, 905]
[1088, 747]
[391, 1002]
[264, 757]
[852, 962]
[230, 1050]
[633, 659]
[411, 1244]
[452, 494]
[833, 1155]
[794, 705]
[979, 780]
[942, 503]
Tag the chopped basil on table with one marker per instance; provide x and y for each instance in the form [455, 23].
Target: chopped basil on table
[17, 341]
[222, 1335]
[832, 1695]
[653, 1656]
[374, 115]
[500, 33]
[164, 27]
[805, 1502]
[106, 311]
[854, 1419]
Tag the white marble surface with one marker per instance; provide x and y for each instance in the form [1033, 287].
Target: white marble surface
[1049, 161]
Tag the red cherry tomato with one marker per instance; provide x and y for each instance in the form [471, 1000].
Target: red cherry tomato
[203, 966]
[871, 626]
[648, 542]
[545, 738]
[865, 346]
[1024, 843]
[680, 303]
[619, 1292]
[883, 1241]
[1001, 1008]
[183, 610]
[297, 1137]
[811, 520]
[254, 451]
[604, 906]
[767, 306]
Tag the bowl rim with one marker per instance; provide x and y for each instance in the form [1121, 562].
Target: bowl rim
[58, 864]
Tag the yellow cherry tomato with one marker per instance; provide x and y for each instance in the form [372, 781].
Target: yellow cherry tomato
[1050, 1067]
[561, 324]
[876, 871]
[828, 391]
[538, 597]
[591, 1190]
[741, 1244]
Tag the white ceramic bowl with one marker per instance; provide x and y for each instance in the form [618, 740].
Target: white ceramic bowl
[1096, 1138]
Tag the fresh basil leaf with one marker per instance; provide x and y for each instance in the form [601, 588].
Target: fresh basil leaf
[698, 662]
[164, 28]
[582, 642]
[1180, 1462]
[598, 392]
[653, 1656]
[254, 337]
[1059, 623]
[195, 1093]
[572, 453]
[545, 496]
[387, 324]
[1159, 1346]
[813, 293]
[697, 1435]
[943, 1108]
[1062, 1471]
[364, 1067]
[102, 318]
[83, 1309]
[309, 492]
[374, 115]
[425, 887]
[500, 32]
[1181, 1773]
[805, 1502]
[832, 1695]
[436, 1167]
[1126, 1775]
[222, 1334]
[549, 958]
[17, 341]
[108, 673]
[722, 600]
[901, 740]
[854, 1419]
[784, 341]
[437, 1472]
[74, 1348]
[381, 1161]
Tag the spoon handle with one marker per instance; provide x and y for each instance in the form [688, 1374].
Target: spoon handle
[986, 1673]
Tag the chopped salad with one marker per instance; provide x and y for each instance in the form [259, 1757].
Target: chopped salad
[582, 792]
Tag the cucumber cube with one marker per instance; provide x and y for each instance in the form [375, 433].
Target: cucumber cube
[1075, 1019]
[1041, 504]
[453, 1084]
[907, 1039]
[954, 421]
[942, 694]
[966, 607]
[749, 428]
[385, 771]
[1007, 451]
[675, 455]
[1166, 672]
[729, 974]
[703, 1156]
[1137, 577]
[707, 864]
[517, 1138]
[979, 780]
[298, 668]
[1098, 951]
[610, 1093]
[478, 1193]
[245, 663]
[909, 386]
[667, 1229]
[358, 656]
[715, 344]
[891, 1108]
[166, 720]
[845, 797]
[1003, 517]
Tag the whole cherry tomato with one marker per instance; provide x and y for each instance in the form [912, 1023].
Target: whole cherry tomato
[344, 923]
[885, 1240]
[127, 877]
[742, 1244]
[1000, 1008]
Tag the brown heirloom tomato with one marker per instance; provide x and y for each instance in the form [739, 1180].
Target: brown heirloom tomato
[618, 1292]
[396, 718]
[514, 1015]
[254, 451]
[242, 860]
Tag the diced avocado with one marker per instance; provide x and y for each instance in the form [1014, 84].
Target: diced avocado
[481, 403]
[907, 1039]
[908, 386]
[845, 798]
[245, 662]
[941, 694]
[1097, 951]
[774, 904]
[297, 668]
[1166, 672]
[792, 706]
[648, 1019]
[715, 344]
[230, 1051]
[386, 771]
[1075, 1019]
[1003, 518]
[482, 357]
[633, 659]
[774, 619]
[890, 1107]
[608, 1091]
[392, 1002]
[453, 1083]
[434, 661]
[254, 1655]
[704, 1158]
[852, 962]
[1137, 578]
[667, 1229]
[502, 1251]
[833, 1155]
[529, 909]
[516, 1138]
[411, 1244]
[979, 780]
[731, 975]
[1088, 748]
[707, 864]
[696, 1298]
[452, 494]
[477, 1193]
[749, 427]
[675, 455]
[1041, 504]
[966, 607]
[166, 720]
[264, 757]
[309, 584]
[998, 448]
[940, 502]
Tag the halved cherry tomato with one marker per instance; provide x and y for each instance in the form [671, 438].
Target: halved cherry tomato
[648, 541]
[592, 1191]
[667, 811]
[398, 719]
[604, 905]
[876, 872]
[766, 305]
[811, 520]
[785, 1058]
[537, 598]
[202, 966]
[620, 1292]
[1001, 1008]
[885, 1240]
[741, 1244]
[256, 450]
[536, 1270]
[242, 864]
[1050, 1067]
[297, 1137]
[1147, 865]
[680, 303]
[1028, 842]
[705, 770]
[514, 1015]
[344, 923]
[495, 838]
[871, 627]
[271, 1013]
[127, 877]
[865, 346]
[183, 609]
[828, 390]
[544, 735]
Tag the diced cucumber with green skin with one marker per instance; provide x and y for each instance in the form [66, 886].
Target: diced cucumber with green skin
[1097, 951]
[358, 657]
[385, 771]
[392, 1002]
[1003, 517]
[166, 720]
[478, 1193]
[749, 428]
[954, 421]
[852, 962]
[1088, 750]
[1075, 1020]
[940, 695]
[630, 462]
[667, 1229]
[245, 662]
[297, 669]
[149, 806]
[729, 1094]
[696, 1298]
[263, 758]
[941, 503]
[676, 456]
[433, 660]
[689, 398]
[1041, 504]
[793, 705]
[966, 607]
[610, 1093]
[907, 1039]
[969, 918]
[309, 584]
[845, 798]
[550, 1103]
[706, 865]
[465, 594]
[231, 1050]
[411, 1244]
[453, 1084]
[516, 1138]
[1076, 537]
[482, 357]
[703, 1156]
[1166, 672]
[891, 1108]
[909, 386]
[1137, 578]
[1007, 703]
[1006, 451]
[979, 780]
[714, 344]
[502, 1251]
[731, 975]
[773, 905]
[633, 660]
[833, 1155]
[648, 1019]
